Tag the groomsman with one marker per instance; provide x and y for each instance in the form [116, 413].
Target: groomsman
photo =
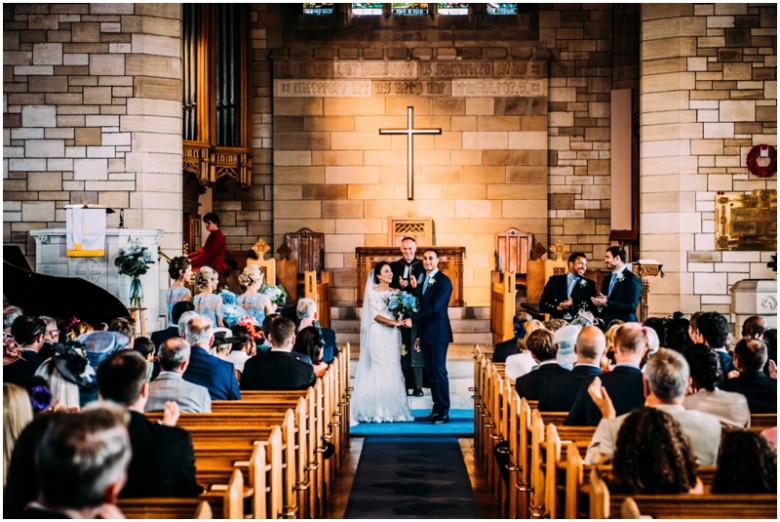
[566, 294]
[406, 272]
[620, 292]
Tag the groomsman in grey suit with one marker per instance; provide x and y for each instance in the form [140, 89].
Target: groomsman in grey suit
[171, 386]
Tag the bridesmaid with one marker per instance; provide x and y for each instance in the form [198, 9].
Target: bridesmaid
[256, 304]
[180, 271]
[207, 302]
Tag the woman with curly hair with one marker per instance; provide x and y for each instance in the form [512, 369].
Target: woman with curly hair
[256, 304]
[309, 342]
[180, 270]
[653, 455]
[730, 408]
[747, 463]
[208, 303]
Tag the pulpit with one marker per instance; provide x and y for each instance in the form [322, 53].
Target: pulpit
[450, 263]
[50, 259]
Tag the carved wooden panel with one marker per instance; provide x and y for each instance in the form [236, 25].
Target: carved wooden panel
[450, 263]
[307, 248]
[421, 229]
[513, 248]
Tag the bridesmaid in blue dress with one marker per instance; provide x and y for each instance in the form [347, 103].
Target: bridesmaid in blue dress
[207, 302]
[180, 271]
[256, 304]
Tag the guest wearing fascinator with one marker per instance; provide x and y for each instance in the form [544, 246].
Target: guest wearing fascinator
[70, 376]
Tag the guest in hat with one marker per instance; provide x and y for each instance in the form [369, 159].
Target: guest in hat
[566, 337]
[70, 377]
[100, 344]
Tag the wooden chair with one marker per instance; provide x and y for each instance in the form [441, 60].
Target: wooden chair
[320, 293]
[302, 251]
[513, 249]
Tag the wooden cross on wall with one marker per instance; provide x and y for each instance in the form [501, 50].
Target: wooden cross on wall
[410, 132]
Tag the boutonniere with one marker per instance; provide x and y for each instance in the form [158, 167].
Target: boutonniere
[431, 282]
[582, 283]
[620, 277]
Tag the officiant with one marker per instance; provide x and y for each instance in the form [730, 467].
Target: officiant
[407, 272]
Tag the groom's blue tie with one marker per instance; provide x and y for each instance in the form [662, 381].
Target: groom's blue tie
[425, 283]
[612, 283]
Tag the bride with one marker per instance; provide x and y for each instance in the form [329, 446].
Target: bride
[380, 392]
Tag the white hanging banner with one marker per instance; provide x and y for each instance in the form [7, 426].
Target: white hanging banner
[85, 231]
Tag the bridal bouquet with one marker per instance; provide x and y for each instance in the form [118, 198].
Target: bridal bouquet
[134, 261]
[277, 294]
[402, 304]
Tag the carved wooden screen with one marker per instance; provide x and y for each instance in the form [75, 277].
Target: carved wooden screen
[307, 248]
[215, 93]
[513, 249]
[421, 229]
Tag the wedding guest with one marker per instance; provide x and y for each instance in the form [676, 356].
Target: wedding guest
[218, 376]
[544, 349]
[730, 408]
[180, 270]
[665, 381]
[17, 413]
[308, 342]
[566, 294]
[212, 254]
[50, 337]
[124, 326]
[10, 313]
[676, 333]
[173, 327]
[747, 463]
[39, 392]
[207, 303]
[28, 332]
[306, 311]
[504, 349]
[245, 345]
[69, 375]
[100, 344]
[146, 348]
[522, 362]
[754, 327]
[163, 461]
[256, 304]
[16, 365]
[760, 390]
[770, 339]
[169, 385]
[714, 332]
[693, 327]
[278, 369]
[82, 465]
[653, 455]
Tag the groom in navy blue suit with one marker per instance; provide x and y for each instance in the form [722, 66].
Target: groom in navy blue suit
[434, 333]
[620, 291]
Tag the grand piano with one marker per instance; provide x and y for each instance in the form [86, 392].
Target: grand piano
[57, 297]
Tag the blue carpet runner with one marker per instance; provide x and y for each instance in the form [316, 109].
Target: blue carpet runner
[461, 424]
[411, 477]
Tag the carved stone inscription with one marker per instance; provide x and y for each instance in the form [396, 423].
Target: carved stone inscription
[426, 88]
[393, 70]
[322, 88]
[498, 88]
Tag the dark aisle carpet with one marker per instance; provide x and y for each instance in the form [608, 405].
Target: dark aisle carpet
[411, 477]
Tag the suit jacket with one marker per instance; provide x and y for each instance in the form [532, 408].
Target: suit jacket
[726, 361]
[331, 349]
[432, 321]
[160, 336]
[276, 370]
[163, 462]
[170, 386]
[555, 292]
[759, 390]
[399, 267]
[624, 386]
[561, 390]
[624, 299]
[730, 408]
[218, 376]
[703, 431]
[531, 384]
[505, 349]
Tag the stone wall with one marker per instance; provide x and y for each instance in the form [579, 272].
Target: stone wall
[708, 94]
[91, 114]
[334, 172]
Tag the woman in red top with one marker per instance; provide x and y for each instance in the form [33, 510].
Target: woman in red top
[213, 252]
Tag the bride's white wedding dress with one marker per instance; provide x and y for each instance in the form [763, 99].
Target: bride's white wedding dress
[380, 392]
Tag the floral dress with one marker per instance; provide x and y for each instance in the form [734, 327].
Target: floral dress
[209, 305]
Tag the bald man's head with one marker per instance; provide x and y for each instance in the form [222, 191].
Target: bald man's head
[590, 345]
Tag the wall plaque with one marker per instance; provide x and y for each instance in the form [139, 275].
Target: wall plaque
[746, 221]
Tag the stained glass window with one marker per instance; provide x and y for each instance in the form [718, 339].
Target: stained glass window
[453, 9]
[318, 9]
[502, 9]
[410, 9]
[367, 9]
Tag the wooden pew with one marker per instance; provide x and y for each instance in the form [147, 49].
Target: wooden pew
[762, 421]
[603, 504]
[161, 507]
[502, 306]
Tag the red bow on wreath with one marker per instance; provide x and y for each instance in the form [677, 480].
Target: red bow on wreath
[768, 154]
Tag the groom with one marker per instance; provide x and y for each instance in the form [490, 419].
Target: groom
[434, 333]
